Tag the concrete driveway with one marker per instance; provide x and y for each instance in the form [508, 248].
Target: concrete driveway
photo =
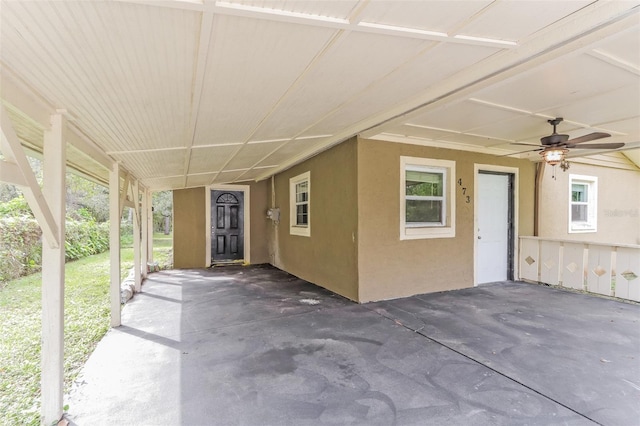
[256, 346]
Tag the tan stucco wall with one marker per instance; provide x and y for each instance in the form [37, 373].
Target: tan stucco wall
[259, 224]
[189, 228]
[390, 267]
[189, 235]
[618, 205]
[328, 257]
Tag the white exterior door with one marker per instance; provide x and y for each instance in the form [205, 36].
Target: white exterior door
[494, 222]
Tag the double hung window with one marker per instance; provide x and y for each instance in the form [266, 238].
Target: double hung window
[300, 205]
[583, 193]
[427, 207]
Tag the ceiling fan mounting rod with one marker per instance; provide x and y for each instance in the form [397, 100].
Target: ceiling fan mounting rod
[554, 122]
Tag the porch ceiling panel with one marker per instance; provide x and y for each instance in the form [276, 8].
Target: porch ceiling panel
[355, 65]
[252, 174]
[153, 164]
[630, 126]
[285, 152]
[340, 9]
[595, 87]
[530, 128]
[212, 158]
[445, 137]
[122, 71]
[569, 80]
[619, 103]
[164, 183]
[251, 154]
[624, 48]
[200, 180]
[89, 168]
[497, 20]
[249, 69]
[439, 16]
[178, 90]
[462, 116]
[230, 176]
[425, 70]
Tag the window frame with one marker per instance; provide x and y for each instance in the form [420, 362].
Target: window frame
[444, 229]
[294, 227]
[591, 224]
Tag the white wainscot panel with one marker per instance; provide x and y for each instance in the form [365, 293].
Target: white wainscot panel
[550, 262]
[599, 269]
[573, 273]
[628, 273]
[529, 255]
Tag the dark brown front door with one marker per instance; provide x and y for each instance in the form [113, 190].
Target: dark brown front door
[227, 218]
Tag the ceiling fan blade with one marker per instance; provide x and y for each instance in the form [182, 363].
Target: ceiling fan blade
[521, 152]
[525, 144]
[589, 137]
[598, 146]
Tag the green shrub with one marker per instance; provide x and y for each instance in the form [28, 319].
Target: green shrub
[85, 238]
[21, 243]
[20, 247]
[16, 207]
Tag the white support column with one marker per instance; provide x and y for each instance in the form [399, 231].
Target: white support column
[136, 236]
[150, 225]
[145, 232]
[114, 242]
[52, 358]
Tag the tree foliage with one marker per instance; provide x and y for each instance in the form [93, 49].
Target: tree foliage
[162, 210]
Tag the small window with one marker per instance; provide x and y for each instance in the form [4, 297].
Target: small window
[427, 208]
[300, 205]
[583, 198]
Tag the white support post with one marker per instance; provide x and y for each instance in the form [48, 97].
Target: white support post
[114, 242]
[136, 236]
[150, 225]
[52, 357]
[123, 194]
[145, 232]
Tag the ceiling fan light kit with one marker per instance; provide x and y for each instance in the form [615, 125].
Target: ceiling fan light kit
[554, 156]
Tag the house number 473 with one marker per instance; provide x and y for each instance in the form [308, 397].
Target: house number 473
[467, 198]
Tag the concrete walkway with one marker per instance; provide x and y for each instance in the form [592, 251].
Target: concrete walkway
[256, 346]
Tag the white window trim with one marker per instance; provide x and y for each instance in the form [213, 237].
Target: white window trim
[294, 229]
[448, 229]
[591, 225]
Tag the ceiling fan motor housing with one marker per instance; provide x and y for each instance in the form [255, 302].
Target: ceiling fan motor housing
[554, 139]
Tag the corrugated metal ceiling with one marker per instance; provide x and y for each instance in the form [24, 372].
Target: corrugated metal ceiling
[189, 93]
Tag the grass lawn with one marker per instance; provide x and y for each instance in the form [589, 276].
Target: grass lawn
[86, 321]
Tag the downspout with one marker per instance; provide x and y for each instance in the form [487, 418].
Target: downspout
[536, 198]
[273, 192]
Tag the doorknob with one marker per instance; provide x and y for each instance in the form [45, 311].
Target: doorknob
[479, 237]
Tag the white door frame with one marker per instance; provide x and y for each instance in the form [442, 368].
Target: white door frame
[246, 189]
[516, 201]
